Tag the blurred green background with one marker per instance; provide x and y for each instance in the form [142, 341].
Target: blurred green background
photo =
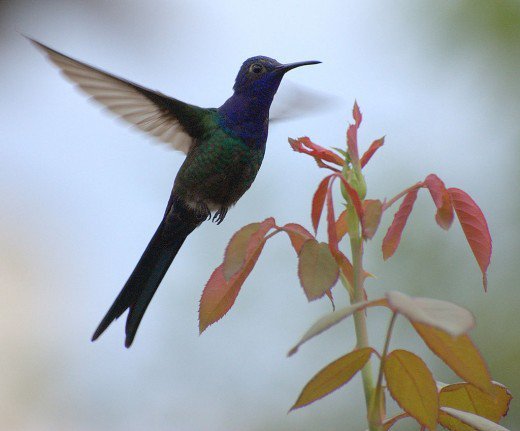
[82, 194]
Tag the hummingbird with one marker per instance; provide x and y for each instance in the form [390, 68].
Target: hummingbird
[224, 149]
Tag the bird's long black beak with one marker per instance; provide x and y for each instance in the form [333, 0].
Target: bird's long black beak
[283, 68]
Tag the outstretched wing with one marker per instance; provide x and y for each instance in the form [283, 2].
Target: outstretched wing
[170, 120]
[297, 101]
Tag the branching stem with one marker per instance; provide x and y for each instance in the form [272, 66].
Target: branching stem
[376, 399]
[392, 201]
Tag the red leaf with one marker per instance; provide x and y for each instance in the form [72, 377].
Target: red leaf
[475, 228]
[393, 236]
[318, 201]
[378, 143]
[356, 113]
[331, 223]
[320, 164]
[219, 294]
[345, 266]
[243, 244]
[298, 235]
[372, 211]
[342, 225]
[306, 146]
[442, 200]
[331, 299]
[352, 143]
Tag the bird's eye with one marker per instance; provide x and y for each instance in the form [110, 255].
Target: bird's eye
[257, 68]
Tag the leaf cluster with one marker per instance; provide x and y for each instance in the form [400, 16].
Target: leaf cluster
[476, 403]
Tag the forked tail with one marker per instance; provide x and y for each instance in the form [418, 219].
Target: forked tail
[149, 272]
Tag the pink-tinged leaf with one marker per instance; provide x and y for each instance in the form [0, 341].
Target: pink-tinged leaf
[331, 319]
[356, 113]
[298, 235]
[475, 228]
[333, 376]
[346, 267]
[378, 143]
[318, 201]
[393, 236]
[243, 244]
[342, 225]
[322, 153]
[219, 294]
[372, 211]
[322, 164]
[441, 199]
[306, 146]
[353, 194]
[317, 269]
[443, 315]
[331, 298]
[331, 223]
[352, 144]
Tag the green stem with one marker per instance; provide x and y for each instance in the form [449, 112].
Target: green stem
[356, 245]
[376, 400]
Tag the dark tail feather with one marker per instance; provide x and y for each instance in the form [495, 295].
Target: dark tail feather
[145, 279]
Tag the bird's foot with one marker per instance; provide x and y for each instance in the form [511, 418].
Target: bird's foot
[219, 216]
[203, 211]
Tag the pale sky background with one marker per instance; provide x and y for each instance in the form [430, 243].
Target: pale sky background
[82, 194]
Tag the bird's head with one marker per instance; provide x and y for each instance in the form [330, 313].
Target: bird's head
[261, 76]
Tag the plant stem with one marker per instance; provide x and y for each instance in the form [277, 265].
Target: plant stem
[392, 201]
[356, 245]
[376, 399]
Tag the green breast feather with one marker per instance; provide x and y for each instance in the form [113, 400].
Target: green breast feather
[218, 169]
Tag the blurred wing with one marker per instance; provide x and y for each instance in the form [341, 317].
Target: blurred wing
[296, 101]
[148, 110]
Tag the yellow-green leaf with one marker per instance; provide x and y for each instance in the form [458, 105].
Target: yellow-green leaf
[333, 376]
[443, 315]
[317, 269]
[464, 396]
[459, 353]
[474, 421]
[389, 423]
[412, 386]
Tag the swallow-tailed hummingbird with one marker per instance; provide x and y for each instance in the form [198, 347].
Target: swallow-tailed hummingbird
[224, 149]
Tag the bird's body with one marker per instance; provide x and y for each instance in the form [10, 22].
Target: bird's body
[224, 150]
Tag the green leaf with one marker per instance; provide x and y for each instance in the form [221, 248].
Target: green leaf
[333, 376]
[317, 269]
